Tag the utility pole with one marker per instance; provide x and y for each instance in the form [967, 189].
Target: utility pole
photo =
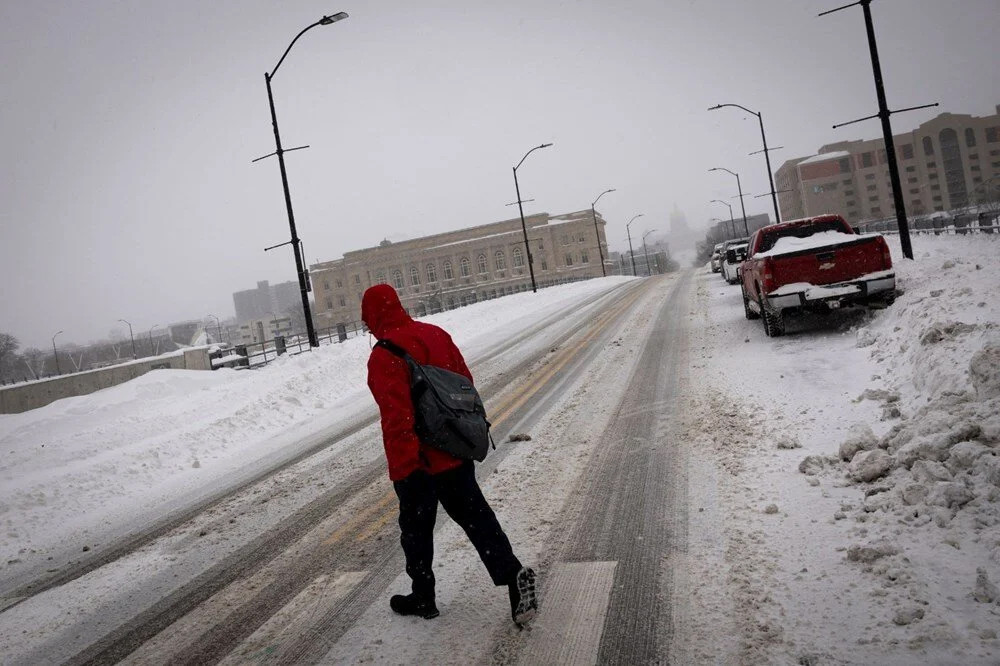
[597, 231]
[520, 208]
[883, 115]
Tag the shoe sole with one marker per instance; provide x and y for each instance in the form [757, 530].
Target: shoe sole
[527, 604]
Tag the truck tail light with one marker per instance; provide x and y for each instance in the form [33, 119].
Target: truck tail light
[886, 256]
[768, 274]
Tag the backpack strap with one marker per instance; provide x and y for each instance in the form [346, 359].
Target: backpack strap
[393, 349]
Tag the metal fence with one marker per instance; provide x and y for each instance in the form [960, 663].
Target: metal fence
[939, 224]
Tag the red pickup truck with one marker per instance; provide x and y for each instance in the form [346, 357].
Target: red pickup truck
[817, 263]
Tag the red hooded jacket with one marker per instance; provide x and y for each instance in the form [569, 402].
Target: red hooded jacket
[389, 380]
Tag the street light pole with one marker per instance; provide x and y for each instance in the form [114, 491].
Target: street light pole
[295, 242]
[649, 271]
[520, 208]
[631, 253]
[56, 354]
[593, 213]
[739, 188]
[767, 156]
[732, 223]
[151, 353]
[131, 337]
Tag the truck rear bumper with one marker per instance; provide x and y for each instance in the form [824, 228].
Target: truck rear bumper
[835, 294]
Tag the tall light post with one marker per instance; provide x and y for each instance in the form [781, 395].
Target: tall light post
[131, 337]
[151, 353]
[295, 242]
[649, 271]
[767, 157]
[218, 327]
[593, 213]
[732, 222]
[631, 254]
[524, 228]
[739, 188]
[56, 354]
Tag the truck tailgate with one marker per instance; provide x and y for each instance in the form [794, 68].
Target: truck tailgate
[830, 264]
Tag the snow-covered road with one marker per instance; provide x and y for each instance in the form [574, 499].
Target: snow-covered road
[832, 496]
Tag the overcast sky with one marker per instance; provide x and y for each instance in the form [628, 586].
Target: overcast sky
[129, 127]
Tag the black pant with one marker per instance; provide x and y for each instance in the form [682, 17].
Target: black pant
[461, 497]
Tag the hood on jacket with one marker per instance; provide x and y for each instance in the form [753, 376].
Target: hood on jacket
[381, 310]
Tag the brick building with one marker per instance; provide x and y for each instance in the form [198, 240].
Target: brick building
[946, 163]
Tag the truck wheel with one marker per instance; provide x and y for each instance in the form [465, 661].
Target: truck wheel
[774, 323]
[750, 314]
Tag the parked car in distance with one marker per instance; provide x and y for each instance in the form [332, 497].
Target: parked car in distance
[717, 258]
[733, 254]
[817, 263]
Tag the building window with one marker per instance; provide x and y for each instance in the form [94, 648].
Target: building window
[518, 258]
[432, 273]
[342, 302]
[501, 260]
[481, 263]
[339, 284]
[974, 167]
[845, 165]
[872, 188]
[866, 159]
[845, 182]
[466, 265]
[936, 198]
[569, 259]
[876, 211]
[911, 180]
[326, 285]
[973, 156]
[992, 135]
[952, 163]
[357, 279]
[584, 257]
[928, 146]
[932, 165]
[869, 176]
[565, 239]
[545, 265]
[871, 199]
[970, 137]
[541, 245]
[935, 187]
[915, 203]
[329, 304]
[911, 169]
[852, 203]
[932, 176]
[848, 192]
[380, 277]
[907, 151]
[448, 274]
[414, 276]
[397, 279]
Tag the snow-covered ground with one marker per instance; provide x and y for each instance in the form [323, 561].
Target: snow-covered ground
[83, 469]
[843, 480]
[845, 484]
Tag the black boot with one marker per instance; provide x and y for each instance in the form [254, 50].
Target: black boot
[411, 604]
[523, 602]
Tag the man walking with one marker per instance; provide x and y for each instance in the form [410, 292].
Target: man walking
[422, 475]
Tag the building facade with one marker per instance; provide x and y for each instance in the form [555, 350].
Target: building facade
[264, 330]
[447, 270]
[946, 163]
[266, 300]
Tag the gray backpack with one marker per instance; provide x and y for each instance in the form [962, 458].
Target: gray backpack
[448, 412]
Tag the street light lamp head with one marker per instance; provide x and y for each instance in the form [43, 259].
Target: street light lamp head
[545, 145]
[327, 20]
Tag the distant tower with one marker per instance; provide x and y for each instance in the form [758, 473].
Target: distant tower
[679, 228]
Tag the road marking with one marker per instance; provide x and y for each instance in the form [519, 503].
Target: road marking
[359, 518]
[571, 612]
[295, 620]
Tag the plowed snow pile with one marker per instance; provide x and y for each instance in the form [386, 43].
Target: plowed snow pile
[877, 541]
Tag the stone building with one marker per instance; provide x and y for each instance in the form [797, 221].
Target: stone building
[944, 164]
[446, 270]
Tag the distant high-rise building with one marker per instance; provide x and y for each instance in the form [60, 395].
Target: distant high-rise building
[946, 163]
[266, 300]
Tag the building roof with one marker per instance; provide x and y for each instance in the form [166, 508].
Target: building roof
[823, 157]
